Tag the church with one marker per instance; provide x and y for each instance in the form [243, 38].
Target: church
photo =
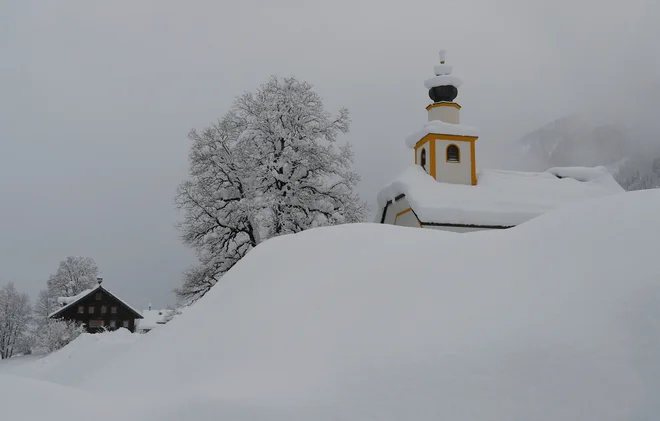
[444, 190]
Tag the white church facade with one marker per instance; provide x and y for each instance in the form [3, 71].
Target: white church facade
[443, 189]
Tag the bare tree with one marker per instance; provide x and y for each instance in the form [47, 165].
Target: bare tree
[270, 166]
[14, 319]
[74, 275]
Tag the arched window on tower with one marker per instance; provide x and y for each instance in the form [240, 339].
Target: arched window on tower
[453, 154]
[422, 159]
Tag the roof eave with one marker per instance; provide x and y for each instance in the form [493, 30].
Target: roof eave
[441, 224]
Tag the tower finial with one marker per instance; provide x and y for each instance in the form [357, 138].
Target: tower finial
[443, 87]
[443, 56]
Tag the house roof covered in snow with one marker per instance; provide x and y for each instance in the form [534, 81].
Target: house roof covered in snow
[500, 199]
[67, 302]
[152, 318]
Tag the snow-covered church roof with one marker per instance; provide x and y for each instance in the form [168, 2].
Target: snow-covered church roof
[500, 199]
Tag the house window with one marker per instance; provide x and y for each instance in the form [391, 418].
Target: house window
[126, 324]
[422, 159]
[96, 323]
[90, 310]
[113, 310]
[113, 323]
[98, 296]
[81, 309]
[453, 154]
[104, 309]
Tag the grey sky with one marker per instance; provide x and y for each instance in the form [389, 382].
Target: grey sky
[96, 99]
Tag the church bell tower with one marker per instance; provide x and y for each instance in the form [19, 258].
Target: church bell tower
[444, 148]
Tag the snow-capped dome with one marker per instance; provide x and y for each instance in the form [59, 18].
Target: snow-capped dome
[443, 86]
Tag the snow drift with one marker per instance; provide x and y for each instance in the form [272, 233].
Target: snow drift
[23, 399]
[557, 319]
[78, 360]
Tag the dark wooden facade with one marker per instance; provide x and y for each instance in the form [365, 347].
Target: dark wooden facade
[99, 310]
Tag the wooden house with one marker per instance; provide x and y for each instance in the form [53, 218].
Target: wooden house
[97, 309]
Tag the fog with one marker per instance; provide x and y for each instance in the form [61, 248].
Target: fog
[96, 99]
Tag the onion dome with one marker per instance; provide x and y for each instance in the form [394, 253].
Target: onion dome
[443, 87]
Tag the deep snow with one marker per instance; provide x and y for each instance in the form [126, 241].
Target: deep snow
[556, 319]
[501, 198]
[76, 361]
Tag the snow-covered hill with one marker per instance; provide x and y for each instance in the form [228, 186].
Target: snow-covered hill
[76, 361]
[590, 139]
[551, 320]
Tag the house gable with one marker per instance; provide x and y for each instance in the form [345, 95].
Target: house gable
[99, 309]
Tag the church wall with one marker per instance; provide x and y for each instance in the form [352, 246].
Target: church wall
[446, 114]
[407, 219]
[456, 229]
[453, 172]
[418, 156]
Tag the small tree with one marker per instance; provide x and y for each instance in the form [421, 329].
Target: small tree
[55, 334]
[270, 166]
[50, 335]
[14, 319]
[74, 275]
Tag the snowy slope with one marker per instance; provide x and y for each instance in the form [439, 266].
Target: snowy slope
[552, 320]
[577, 140]
[23, 399]
[627, 148]
[76, 361]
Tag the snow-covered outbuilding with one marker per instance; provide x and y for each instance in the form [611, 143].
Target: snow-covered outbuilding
[151, 319]
[444, 190]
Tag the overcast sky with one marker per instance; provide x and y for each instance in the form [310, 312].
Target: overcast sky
[96, 100]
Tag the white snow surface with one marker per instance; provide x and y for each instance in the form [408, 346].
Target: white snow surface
[442, 80]
[442, 69]
[440, 127]
[554, 320]
[78, 360]
[152, 319]
[23, 399]
[65, 301]
[500, 198]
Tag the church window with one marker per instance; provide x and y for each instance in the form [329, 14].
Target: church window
[422, 159]
[453, 154]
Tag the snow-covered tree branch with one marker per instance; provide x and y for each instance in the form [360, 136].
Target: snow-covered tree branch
[14, 318]
[51, 335]
[74, 275]
[268, 167]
